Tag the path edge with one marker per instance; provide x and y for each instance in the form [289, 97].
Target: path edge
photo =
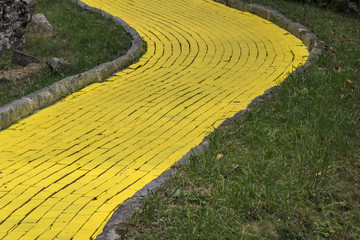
[27, 105]
[315, 47]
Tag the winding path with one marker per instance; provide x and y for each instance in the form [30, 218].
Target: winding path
[65, 169]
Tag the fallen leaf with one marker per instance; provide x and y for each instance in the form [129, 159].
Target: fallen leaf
[220, 155]
[318, 174]
[354, 122]
[349, 81]
[337, 69]
[333, 49]
[322, 69]
[290, 92]
[279, 220]
[345, 36]
[341, 96]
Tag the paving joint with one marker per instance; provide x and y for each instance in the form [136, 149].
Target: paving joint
[27, 105]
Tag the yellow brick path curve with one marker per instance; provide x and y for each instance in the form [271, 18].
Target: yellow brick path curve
[64, 170]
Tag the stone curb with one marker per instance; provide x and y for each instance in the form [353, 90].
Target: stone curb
[12, 112]
[124, 211]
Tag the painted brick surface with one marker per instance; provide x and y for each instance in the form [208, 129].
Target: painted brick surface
[65, 169]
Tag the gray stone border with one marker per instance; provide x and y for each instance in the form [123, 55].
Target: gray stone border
[18, 109]
[315, 47]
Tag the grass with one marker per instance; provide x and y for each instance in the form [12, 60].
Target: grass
[290, 169]
[84, 38]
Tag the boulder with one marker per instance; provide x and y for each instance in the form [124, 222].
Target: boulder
[40, 25]
[354, 8]
[58, 64]
[14, 16]
[23, 59]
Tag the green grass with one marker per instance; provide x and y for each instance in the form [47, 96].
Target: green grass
[290, 169]
[84, 38]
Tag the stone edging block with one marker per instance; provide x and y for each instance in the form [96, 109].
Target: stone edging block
[12, 112]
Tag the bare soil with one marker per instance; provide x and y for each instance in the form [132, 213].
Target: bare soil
[16, 77]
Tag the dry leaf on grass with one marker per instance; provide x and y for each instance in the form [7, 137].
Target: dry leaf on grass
[219, 156]
[337, 69]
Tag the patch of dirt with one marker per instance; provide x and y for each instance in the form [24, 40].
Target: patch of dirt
[20, 73]
[16, 78]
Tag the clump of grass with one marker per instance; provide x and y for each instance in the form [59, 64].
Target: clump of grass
[290, 169]
[84, 38]
[5, 62]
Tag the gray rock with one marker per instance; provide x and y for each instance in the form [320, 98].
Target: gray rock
[354, 8]
[58, 64]
[40, 25]
[23, 59]
[14, 16]
[31, 4]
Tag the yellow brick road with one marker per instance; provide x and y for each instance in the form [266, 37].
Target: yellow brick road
[64, 170]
